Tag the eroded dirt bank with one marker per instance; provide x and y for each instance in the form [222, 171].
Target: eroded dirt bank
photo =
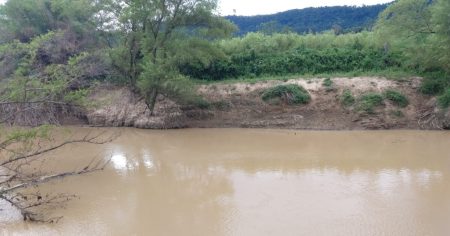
[240, 105]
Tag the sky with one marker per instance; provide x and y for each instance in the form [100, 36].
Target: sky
[260, 7]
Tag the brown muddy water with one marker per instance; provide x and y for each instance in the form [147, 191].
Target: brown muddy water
[255, 182]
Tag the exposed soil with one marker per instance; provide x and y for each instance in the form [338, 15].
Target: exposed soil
[240, 105]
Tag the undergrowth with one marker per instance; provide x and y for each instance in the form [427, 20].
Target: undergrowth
[396, 98]
[290, 94]
[347, 98]
[369, 101]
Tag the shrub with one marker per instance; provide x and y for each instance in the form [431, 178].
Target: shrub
[396, 98]
[368, 102]
[289, 94]
[347, 98]
[327, 83]
[432, 86]
[444, 99]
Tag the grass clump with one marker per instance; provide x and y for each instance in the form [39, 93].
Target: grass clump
[396, 98]
[327, 83]
[290, 94]
[444, 99]
[368, 102]
[347, 98]
[432, 87]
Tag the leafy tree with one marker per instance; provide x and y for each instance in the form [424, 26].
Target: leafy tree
[419, 29]
[441, 20]
[25, 19]
[160, 34]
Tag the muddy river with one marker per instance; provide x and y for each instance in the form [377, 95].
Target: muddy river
[254, 182]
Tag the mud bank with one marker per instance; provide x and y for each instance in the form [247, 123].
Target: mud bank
[240, 105]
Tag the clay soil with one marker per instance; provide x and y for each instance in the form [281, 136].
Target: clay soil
[240, 105]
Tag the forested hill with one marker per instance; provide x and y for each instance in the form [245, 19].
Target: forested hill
[342, 18]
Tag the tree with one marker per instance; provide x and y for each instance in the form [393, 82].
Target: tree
[418, 29]
[441, 20]
[161, 34]
[25, 19]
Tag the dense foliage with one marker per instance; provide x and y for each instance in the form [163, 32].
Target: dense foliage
[258, 54]
[419, 31]
[341, 19]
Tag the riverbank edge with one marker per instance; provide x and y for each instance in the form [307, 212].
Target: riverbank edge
[239, 105]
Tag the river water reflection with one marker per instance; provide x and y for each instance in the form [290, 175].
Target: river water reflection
[255, 182]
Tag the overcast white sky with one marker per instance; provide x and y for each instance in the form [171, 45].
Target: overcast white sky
[259, 7]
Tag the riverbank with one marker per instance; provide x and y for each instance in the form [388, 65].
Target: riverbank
[239, 105]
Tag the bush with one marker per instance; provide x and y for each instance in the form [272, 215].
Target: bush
[327, 83]
[433, 86]
[368, 102]
[396, 98]
[444, 99]
[289, 94]
[347, 98]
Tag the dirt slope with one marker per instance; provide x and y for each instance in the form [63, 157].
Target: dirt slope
[240, 105]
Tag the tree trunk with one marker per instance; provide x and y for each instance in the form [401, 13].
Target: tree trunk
[151, 100]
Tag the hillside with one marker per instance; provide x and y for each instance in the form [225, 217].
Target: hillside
[320, 19]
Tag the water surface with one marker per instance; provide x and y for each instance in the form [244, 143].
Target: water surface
[255, 182]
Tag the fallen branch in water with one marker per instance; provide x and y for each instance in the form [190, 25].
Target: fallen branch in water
[21, 168]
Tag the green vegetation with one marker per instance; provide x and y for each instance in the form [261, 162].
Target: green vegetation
[53, 51]
[342, 19]
[257, 54]
[347, 98]
[444, 99]
[396, 98]
[327, 83]
[290, 94]
[418, 31]
[369, 101]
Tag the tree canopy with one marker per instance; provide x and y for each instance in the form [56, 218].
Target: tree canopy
[420, 30]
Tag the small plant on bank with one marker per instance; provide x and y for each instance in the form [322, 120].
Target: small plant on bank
[444, 99]
[369, 101]
[327, 82]
[396, 98]
[347, 98]
[290, 94]
[432, 87]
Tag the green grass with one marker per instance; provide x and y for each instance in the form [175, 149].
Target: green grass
[396, 98]
[290, 94]
[435, 83]
[369, 101]
[327, 83]
[432, 87]
[347, 98]
[444, 99]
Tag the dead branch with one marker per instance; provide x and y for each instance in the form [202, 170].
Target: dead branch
[86, 139]
[17, 175]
